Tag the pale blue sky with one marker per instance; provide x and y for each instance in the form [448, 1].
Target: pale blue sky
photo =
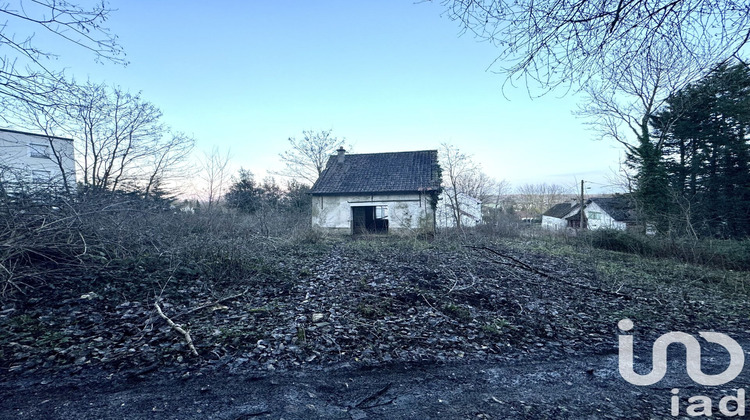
[386, 75]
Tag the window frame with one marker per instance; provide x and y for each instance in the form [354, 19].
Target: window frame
[39, 151]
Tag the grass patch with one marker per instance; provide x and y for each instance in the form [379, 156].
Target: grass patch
[458, 312]
[498, 328]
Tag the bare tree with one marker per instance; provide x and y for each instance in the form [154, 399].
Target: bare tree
[120, 139]
[535, 199]
[307, 158]
[462, 175]
[118, 130]
[168, 161]
[214, 175]
[124, 143]
[499, 197]
[24, 69]
[552, 42]
[622, 107]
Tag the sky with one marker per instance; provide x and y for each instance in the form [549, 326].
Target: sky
[386, 75]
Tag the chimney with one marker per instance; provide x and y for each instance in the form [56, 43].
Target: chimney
[342, 152]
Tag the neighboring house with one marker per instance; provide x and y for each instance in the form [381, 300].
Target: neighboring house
[34, 161]
[556, 217]
[377, 193]
[610, 213]
[599, 213]
[469, 207]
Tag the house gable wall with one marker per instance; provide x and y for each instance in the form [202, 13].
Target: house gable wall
[597, 218]
[471, 211]
[406, 212]
[23, 161]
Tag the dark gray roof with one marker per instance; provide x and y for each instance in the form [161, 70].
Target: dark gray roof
[560, 210]
[366, 173]
[619, 208]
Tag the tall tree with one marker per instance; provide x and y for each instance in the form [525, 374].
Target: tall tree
[707, 153]
[120, 139]
[214, 175]
[307, 157]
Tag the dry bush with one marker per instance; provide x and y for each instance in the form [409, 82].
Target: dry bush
[46, 239]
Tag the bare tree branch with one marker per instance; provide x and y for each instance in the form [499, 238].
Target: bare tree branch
[307, 158]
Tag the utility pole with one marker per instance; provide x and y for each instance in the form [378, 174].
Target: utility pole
[582, 226]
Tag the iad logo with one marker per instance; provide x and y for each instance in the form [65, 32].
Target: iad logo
[693, 360]
[701, 405]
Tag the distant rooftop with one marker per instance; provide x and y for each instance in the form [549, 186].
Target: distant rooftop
[560, 210]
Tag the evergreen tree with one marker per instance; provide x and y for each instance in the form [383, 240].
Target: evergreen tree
[706, 151]
[244, 194]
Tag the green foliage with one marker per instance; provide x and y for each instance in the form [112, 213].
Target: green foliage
[705, 129]
[725, 254]
[458, 312]
[617, 240]
[244, 194]
[498, 328]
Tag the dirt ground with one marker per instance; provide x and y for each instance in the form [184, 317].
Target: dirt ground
[585, 387]
[360, 330]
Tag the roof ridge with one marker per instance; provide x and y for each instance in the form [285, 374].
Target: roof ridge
[387, 153]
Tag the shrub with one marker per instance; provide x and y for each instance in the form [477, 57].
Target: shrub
[725, 254]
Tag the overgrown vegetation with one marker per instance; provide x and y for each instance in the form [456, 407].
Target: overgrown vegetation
[96, 231]
[80, 278]
[725, 254]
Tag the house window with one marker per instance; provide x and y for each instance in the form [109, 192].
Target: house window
[594, 215]
[381, 212]
[39, 151]
[40, 177]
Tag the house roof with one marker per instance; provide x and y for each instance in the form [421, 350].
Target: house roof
[560, 210]
[5, 130]
[367, 173]
[619, 208]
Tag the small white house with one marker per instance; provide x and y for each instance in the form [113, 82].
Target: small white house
[35, 161]
[377, 193]
[469, 209]
[598, 213]
[556, 217]
[609, 213]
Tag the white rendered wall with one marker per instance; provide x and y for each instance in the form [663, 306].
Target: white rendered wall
[17, 163]
[468, 205]
[605, 221]
[553, 223]
[405, 211]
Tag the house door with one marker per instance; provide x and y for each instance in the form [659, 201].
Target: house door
[359, 220]
[369, 219]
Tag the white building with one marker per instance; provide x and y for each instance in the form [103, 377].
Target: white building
[598, 213]
[377, 193]
[469, 208]
[34, 161]
[556, 218]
